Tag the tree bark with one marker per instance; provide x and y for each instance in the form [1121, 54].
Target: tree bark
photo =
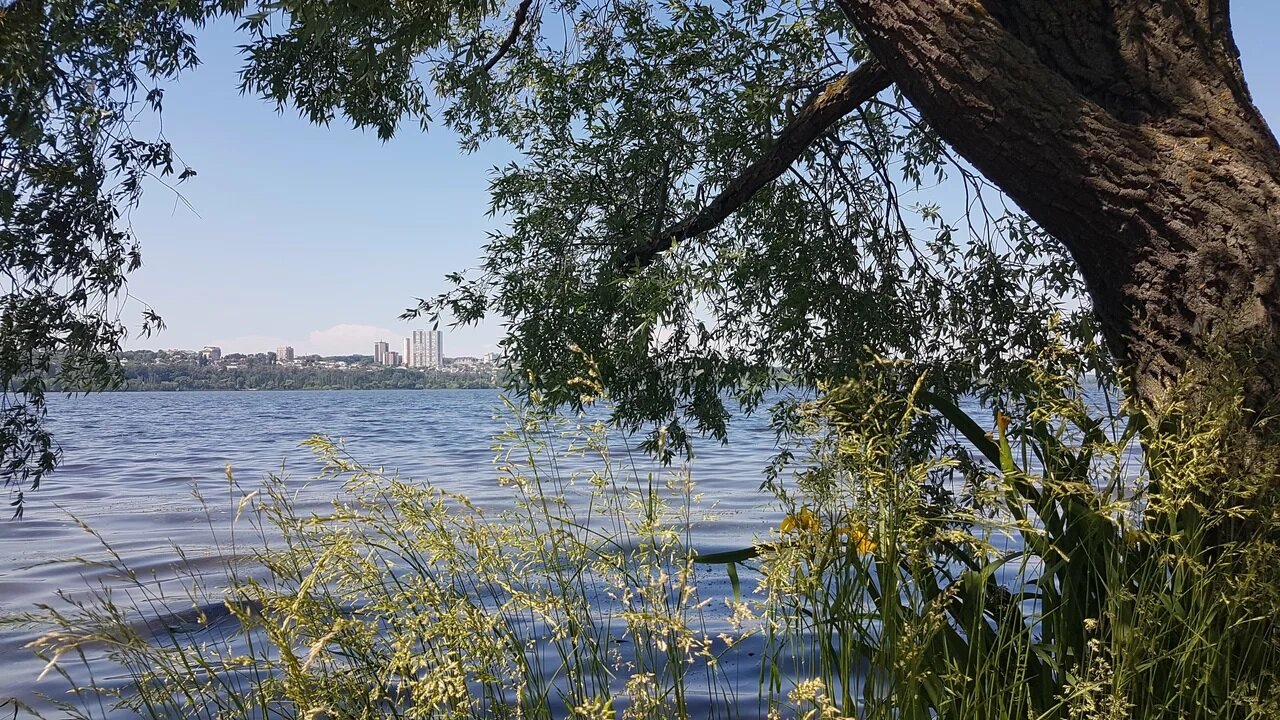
[1126, 130]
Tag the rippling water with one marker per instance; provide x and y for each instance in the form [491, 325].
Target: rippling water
[132, 459]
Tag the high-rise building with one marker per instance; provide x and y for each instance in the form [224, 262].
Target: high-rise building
[436, 349]
[380, 350]
[284, 353]
[426, 349]
[407, 358]
[417, 352]
[392, 358]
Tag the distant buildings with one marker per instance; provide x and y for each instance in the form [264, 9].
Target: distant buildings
[416, 342]
[423, 350]
[467, 364]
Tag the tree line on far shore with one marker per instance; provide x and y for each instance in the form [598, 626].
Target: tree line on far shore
[150, 370]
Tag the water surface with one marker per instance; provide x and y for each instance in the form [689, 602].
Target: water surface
[132, 461]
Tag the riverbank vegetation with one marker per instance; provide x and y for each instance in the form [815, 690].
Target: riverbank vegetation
[1034, 566]
[193, 376]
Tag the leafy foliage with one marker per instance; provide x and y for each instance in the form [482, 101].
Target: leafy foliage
[74, 79]
[1043, 570]
[630, 116]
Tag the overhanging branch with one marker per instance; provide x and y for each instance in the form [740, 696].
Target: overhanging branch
[837, 99]
[522, 14]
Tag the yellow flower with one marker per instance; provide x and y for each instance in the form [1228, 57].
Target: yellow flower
[858, 538]
[802, 521]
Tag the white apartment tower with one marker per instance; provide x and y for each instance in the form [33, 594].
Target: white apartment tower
[380, 350]
[407, 357]
[426, 349]
[284, 353]
[417, 351]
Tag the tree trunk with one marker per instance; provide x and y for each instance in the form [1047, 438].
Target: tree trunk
[1125, 129]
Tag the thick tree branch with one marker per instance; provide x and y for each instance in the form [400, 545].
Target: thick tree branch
[522, 15]
[828, 106]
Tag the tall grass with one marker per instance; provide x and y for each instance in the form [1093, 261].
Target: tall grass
[1033, 574]
[1034, 571]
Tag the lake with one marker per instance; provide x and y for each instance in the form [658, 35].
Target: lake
[132, 459]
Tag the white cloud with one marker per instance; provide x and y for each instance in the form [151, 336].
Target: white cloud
[350, 339]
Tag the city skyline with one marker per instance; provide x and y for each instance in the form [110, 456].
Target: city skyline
[422, 349]
[341, 339]
[285, 355]
[292, 234]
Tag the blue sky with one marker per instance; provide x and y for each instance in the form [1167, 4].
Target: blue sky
[320, 237]
[302, 235]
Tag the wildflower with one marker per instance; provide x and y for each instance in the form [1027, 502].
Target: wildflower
[858, 538]
[802, 521]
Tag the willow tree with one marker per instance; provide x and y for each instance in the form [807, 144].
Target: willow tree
[75, 77]
[707, 191]
[1126, 130]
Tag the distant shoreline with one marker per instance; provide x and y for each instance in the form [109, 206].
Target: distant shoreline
[280, 389]
[192, 378]
[188, 371]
